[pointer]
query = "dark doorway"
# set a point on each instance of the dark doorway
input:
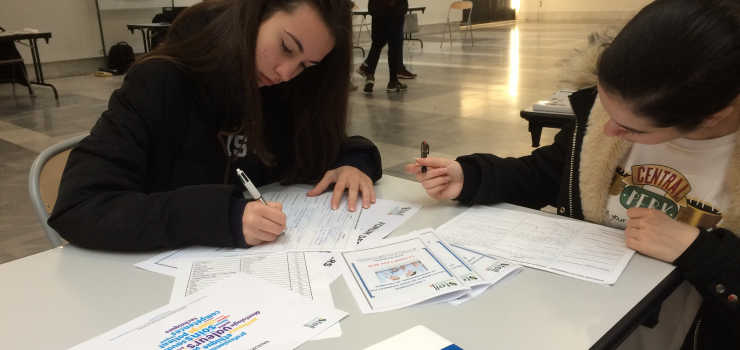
(486, 11)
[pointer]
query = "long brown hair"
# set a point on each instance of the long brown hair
(217, 38)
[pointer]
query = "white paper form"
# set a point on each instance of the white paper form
(576, 249)
(312, 225)
(413, 269)
(298, 272)
(242, 312)
(167, 263)
(383, 217)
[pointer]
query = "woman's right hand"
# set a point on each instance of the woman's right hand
(262, 223)
(443, 179)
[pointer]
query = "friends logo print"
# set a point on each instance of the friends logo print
(674, 203)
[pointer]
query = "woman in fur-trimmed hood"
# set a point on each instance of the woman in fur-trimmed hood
(653, 150)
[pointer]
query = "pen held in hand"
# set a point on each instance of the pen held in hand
(251, 189)
(424, 154)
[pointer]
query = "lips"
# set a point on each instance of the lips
(265, 81)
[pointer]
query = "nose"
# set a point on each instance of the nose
(612, 129)
(289, 70)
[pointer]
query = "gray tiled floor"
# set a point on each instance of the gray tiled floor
(466, 99)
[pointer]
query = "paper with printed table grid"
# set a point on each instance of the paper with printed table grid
(571, 248)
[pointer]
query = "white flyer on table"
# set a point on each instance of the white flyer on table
(332, 270)
(490, 268)
(571, 248)
(298, 272)
(413, 269)
(242, 312)
(384, 217)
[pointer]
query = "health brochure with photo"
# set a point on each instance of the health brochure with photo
(240, 312)
(418, 268)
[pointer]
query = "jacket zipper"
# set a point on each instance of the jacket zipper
(572, 165)
(696, 334)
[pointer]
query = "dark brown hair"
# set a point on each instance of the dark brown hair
(217, 38)
(676, 62)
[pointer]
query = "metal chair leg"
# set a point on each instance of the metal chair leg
(12, 82)
(471, 37)
(30, 89)
(450, 29)
(443, 36)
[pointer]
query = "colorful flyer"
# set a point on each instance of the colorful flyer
(241, 312)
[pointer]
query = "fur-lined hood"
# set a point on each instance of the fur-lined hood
(601, 155)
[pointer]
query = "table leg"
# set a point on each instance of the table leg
(409, 38)
(37, 67)
(535, 128)
(143, 37)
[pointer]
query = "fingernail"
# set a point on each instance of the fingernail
(333, 207)
(445, 171)
(352, 209)
(417, 159)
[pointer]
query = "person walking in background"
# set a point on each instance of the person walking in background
(387, 29)
(403, 73)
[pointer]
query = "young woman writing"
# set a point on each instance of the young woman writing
(257, 84)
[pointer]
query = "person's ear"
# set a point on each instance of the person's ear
(715, 118)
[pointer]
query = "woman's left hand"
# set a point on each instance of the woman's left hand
(347, 177)
(654, 233)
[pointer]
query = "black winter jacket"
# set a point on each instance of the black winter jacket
(551, 176)
(387, 8)
(151, 173)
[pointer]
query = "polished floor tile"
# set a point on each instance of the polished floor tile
(466, 99)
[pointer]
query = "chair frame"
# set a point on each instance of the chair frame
(35, 191)
(362, 24)
(12, 63)
(468, 27)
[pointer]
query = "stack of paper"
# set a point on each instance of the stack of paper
(241, 312)
(312, 226)
(557, 103)
(414, 269)
(298, 272)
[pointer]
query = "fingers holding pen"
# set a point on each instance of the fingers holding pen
(262, 223)
(431, 174)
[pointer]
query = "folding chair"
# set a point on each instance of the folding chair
(459, 5)
(44, 180)
(9, 55)
(362, 24)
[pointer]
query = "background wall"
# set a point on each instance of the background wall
(435, 13)
(76, 38)
(579, 9)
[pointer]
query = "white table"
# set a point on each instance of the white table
(64, 296)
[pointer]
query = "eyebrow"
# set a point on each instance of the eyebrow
(630, 129)
(298, 43)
